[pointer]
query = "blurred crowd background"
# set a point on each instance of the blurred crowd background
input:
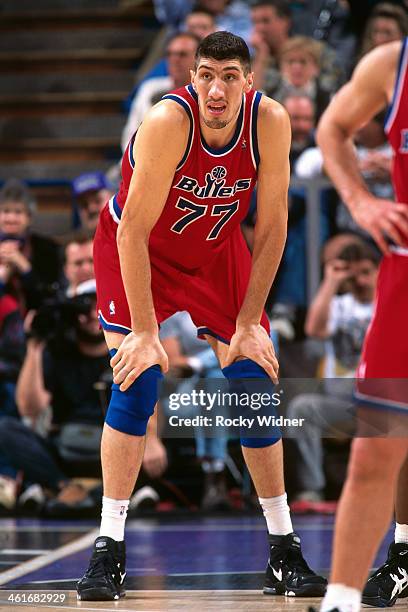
(77, 81)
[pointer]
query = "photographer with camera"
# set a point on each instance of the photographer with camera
(66, 368)
(66, 355)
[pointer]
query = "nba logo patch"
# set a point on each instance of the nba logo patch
(112, 307)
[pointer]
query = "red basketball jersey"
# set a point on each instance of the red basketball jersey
(396, 127)
(211, 189)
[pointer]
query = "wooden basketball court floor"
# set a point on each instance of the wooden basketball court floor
(178, 564)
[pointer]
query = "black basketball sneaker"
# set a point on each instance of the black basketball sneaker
(390, 581)
(105, 577)
(288, 573)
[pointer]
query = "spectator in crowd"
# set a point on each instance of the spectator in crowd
(78, 261)
(29, 263)
(339, 314)
(91, 192)
(387, 22)
(230, 15)
(272, 21)
(61, 371)
(302, 115)
(327, 21)
(12, 346)
(288, 295)
(200, 22)
(180, 53)
(299, 62)
(191, 359)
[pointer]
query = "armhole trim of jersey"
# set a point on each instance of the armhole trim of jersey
(253, 129)
(399, 84)
(189, 112)
(130, 151)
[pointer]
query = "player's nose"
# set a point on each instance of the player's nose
(216, 91)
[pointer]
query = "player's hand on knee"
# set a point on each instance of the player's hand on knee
(253, 342)
(137, 353)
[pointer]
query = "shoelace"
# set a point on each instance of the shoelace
(98, 565)
(294, 557)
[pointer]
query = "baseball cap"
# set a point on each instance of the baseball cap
(90, 181)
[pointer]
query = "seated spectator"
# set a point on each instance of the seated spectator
(190, 357)
(339, 314)
(272, 22)
(12, 346)
(60, 370)
(302, 115)
(78, 261)
(288, 295)
(180, 52)
(91, 192)
(29, 263)
(299, 63)
(230, 15)
(386, 22)
(200, 22)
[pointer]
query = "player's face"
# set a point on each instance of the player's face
(219, 86)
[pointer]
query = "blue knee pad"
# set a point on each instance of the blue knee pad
(129, 411)
(248, 369)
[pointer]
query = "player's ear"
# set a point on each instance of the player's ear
(249, 81)
(192, 77)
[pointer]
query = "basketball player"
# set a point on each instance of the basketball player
(378, 466)
(170, 240)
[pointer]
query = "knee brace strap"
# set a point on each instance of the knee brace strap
(249, 369)
(129, 411)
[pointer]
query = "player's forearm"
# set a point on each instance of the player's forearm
(267, 253)
(136, 275)
(341, 164)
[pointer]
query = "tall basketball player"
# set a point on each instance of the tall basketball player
(378, 468)
(170, 240)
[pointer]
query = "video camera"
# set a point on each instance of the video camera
(56, 320)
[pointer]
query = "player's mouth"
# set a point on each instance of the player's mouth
(216, 108)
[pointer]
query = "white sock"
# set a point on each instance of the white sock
(340, 596)
(114, 512)
(401, 533)
(277, 515)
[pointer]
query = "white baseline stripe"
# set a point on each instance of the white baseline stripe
(25, 551)
(50, 557)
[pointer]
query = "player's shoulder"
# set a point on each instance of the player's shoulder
(380, 61)
(167, 115)
(272, 112)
